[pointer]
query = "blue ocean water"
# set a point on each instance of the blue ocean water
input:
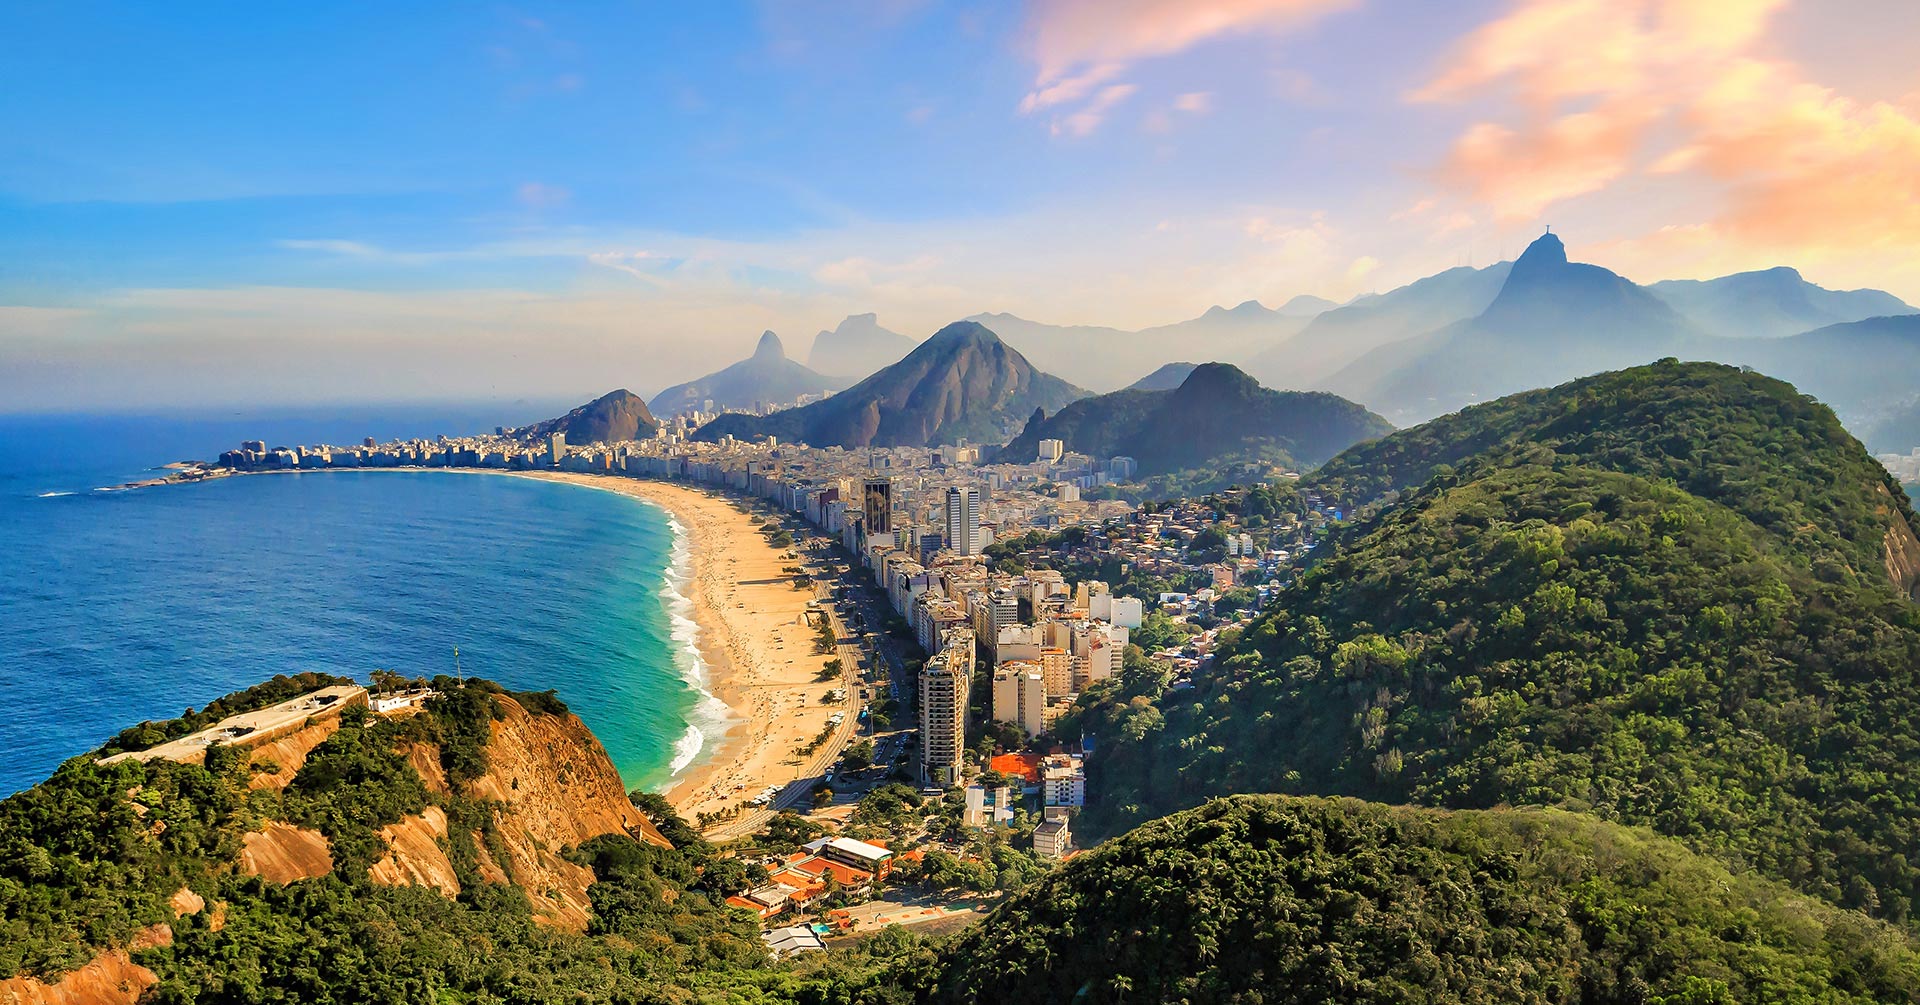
(122, 606)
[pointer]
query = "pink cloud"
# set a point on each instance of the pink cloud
(1081, 45)
(1600, 90)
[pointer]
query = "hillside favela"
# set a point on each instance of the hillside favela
(923, 501)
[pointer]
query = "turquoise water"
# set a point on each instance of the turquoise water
(122, 606)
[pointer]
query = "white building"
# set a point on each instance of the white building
(1020, 695)
(1052, 450)
(1053, 839)
(988, 807)
(1063, 781)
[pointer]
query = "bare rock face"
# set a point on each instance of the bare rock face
(111, 978)
(283, 853)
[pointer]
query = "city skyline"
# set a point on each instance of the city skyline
(299, 205)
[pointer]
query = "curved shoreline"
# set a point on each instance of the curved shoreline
(753, 638)
(752, 642)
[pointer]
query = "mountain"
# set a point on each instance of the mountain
(1305, 305)
(1677, 597)
(1342, 334)
(611, 418)
(1898, 432)
(1166, 378)
(1107, 358)
(1292, 901)
(1771, 303)
(1865, 369)
(963, 383)
(767, 377)
(1217, 414)
(856, 346)
(1553, 320)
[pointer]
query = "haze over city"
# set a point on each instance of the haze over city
(248, 205)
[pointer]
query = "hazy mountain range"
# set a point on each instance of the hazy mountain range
(963, 383)
(856, 347)
(1434, 345)
(766, 377)
(1108, 358)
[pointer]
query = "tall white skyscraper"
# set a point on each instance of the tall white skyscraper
(963, 520)
(945, 683)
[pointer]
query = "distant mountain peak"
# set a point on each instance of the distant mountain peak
(1244, 309)
(769, 347)
(1210, 379)
(964, 333)
(1546, 251)
(1305, 305)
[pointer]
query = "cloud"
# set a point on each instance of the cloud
(1080, 45)
(1087, 119)
(1067, 34)
(537, 195)
(1194, 102)
(1521, 172)
(1603, 91)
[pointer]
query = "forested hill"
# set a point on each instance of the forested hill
(1217, 413)
(1287, 900)
(1541, 627)
(1729, 436)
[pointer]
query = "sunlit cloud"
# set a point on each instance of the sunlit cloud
(1080, 45)
(1601, 91)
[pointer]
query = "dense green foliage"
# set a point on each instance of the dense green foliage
(1216, 416)
(1530, 629)
(1275, 900)
(1748, 442)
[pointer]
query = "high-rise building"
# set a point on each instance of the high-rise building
(877, 511)
(1052, 450)
(945, 682)
(1020, 695)
(557, 447)
(1122, 468)
(963, 520)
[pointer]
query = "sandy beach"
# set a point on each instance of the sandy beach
(754, 638)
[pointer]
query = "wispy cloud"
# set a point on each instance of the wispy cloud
(1083, 46)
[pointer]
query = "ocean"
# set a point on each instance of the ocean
(121, 606)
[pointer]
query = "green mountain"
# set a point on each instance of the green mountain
(963, 383)
(611, 418)
(1289, 900)
(1674, 597)
(1216, 414)
(767, 377)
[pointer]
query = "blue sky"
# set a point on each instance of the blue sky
(250, 203)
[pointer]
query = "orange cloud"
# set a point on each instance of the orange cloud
(1083, 44)
(1599, 85)
(1518, 174)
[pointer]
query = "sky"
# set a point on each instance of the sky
(248, 204)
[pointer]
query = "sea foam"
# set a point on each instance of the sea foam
(710, 716)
